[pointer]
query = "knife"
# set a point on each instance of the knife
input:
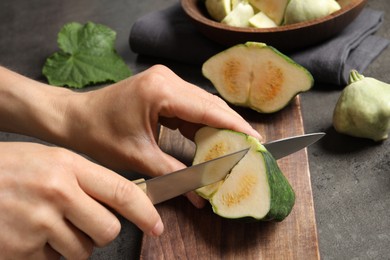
(171, 185)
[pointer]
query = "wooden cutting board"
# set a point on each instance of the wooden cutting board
(192, 233)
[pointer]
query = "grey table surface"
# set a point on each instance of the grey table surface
(350, 177)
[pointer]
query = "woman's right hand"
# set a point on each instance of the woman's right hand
(54, 202)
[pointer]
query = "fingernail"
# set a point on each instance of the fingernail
(158, 229)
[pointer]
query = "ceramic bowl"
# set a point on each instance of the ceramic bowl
(285, 38)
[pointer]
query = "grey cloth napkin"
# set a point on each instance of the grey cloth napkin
(170, 34)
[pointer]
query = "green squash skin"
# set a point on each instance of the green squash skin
(282, 194)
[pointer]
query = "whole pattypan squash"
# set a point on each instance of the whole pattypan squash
(306, 10)
(363, 109)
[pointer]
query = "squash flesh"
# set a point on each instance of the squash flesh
(271, 86)
(218, 9)
(240, 194)
(205, 152)
(268, 84)
(274, 9)
(232, 74)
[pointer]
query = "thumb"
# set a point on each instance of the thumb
(155, 162)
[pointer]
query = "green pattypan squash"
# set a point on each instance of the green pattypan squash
(255, 189)
(363, 109)
(306, 10)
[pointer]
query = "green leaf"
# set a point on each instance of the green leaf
(87, 56)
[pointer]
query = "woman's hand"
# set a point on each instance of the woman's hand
(54, 202)
(117, 125)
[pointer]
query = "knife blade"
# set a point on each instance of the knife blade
(286, 146)
(171, 185)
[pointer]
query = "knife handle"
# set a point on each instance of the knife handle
(141, 183)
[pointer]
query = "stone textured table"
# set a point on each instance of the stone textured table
(350, 177)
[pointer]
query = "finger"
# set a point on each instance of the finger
(170, 164)
(195, 199)
(47, 252)
(92, 218)
(149, 153)
(194, 91)
(206, 109)
(187, 129)
(122, 195)
(167, 164)
(70, 242)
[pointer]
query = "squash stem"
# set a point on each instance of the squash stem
(355, 76)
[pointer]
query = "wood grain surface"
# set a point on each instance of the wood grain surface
(192, 233)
